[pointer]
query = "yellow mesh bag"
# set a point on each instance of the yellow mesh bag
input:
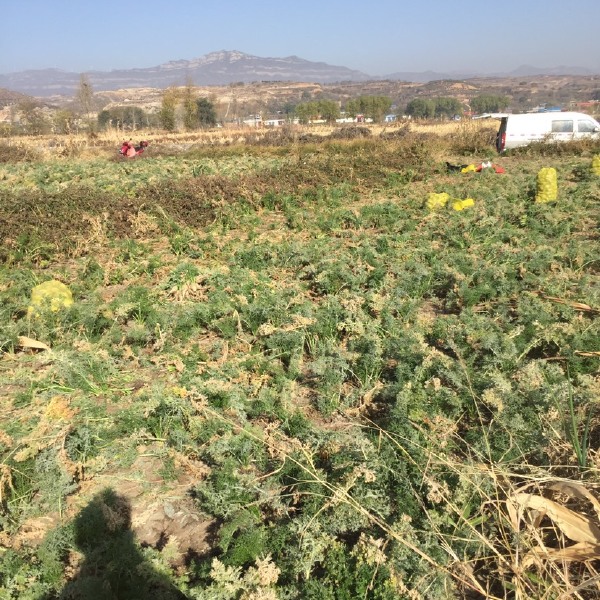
(547, 186)
(596, 164)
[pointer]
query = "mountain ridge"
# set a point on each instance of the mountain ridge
(217, 68)
(225, 67)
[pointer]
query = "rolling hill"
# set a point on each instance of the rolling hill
(227, 67)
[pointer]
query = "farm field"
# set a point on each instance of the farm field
(283, 376)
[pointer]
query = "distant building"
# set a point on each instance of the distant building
(357, 119)
(544, 108)
(274, 122)
(591, 106)
(253, 121)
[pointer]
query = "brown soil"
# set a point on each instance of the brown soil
(163, 514)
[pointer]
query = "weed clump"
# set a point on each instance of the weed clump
(11, 152)
(350, 133)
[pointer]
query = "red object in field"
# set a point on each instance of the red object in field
(131, 151)
(490, 165)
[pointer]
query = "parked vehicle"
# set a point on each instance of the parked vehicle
(521, 130)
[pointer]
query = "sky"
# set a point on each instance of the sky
(377, 37)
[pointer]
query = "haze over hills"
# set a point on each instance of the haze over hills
(522, 71)
(227, 67)
(216, 68)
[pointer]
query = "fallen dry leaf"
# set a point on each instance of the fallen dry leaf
(576, 490)
(572, 303)
(575, 526)
(581, 552)
(27, 342)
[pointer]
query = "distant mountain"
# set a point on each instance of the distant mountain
(522, 71)
(8, 97)
(216, 68)
(528, 70)
(427, 76)
(226, 67)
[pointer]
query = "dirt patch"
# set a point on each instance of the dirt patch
(163, 514)
(31, 533)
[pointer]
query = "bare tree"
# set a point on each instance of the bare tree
(167, 114)
(190, 108)
(85, 101)
(32, 118)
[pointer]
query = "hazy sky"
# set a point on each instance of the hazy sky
(377, 37)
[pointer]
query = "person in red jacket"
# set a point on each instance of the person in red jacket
(128, 149)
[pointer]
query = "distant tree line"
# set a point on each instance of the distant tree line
(377, 107)
(371, 107)
(487, 103)
(430, 108)
(124, 117)
(327, 110)
(29, 118)
(183, 106)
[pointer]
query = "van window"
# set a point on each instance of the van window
(563, 126)
(586, 126)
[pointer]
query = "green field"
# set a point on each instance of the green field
(282, 376)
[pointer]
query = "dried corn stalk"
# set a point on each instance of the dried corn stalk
(576, 526)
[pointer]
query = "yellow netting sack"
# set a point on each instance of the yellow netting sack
(469, 169)
(596, 164)
(547, 186)
(437, 201)
(52, 295)
(462, 204)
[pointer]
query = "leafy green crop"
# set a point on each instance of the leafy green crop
(340, 387)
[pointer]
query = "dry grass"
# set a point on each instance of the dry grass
(50, 147)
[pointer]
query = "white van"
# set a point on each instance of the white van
(520, 130)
